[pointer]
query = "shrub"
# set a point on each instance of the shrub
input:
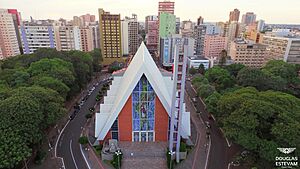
(182, 147)
(40, 157)
(98, 149)
(83, 140)
(116, 160)
(170, 162)
(89, 115)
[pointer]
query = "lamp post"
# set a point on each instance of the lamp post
(118, 153)
(171, 154)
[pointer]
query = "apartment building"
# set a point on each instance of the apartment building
(248, 54)
(8, 37)
(284, 48)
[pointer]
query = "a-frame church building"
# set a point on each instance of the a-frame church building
(138, 104)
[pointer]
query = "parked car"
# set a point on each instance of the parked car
(245, 153)
(194, 100)
(72, 116)
(207, 125)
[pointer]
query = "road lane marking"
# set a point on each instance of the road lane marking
(229, 145)
(72, 154)
(197, 149)
(229, 164)
(208, 152)
(55, 150)
(87, 163)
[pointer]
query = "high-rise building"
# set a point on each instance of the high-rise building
(147, 19)
(223, 28)
(124, 38)
(86, 39)
(167, 48)
(255, 36)
(130, 35)
(199, 35)
(167, 24)
(152, 34)
(177, 25)
(38, 34)
(166, 7)
(77, 21)
(67, 38)
(96, 35)
(187, 29)
(249, 18)
(87, 19)
(283, 48)
(260, 25)
(248, 54)
(200, 20)
(212, 29)
(8, 37)
(234, 15)
(232, 34)
(213, 45)
(110, 37)
(17, 22)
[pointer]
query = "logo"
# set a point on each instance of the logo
(286, 161)
(286, 150)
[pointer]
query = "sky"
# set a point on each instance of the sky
(272, 11)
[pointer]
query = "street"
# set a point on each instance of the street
(68, 147)
(221, 153)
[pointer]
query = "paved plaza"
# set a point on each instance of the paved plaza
(144, 155)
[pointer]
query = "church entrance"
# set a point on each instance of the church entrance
(143, 136)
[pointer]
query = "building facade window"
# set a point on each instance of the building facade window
(115, 130)
(143, 108)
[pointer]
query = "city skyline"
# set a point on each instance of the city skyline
(270, 11)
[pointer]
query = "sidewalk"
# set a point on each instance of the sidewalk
(94, 161)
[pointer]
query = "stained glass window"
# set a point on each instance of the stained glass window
(143, 108)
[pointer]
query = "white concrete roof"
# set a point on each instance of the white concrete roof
(142, 63)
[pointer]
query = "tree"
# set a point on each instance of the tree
(205, 90)
(192, 71)
(223, 58)
(20, 78)
(199, 79)
(23, 113)
(4, 90)
(7, 75)
(50, 102)
(83, 66)
(201, 69)
(212, 102)
(55, 68)
(260, 80)
(219, 77)
(285, 76)
(52, 83)
(261, 121)
(113, 68)
(234, 69)
(13, 149)
(282, 69)
(97, 59)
